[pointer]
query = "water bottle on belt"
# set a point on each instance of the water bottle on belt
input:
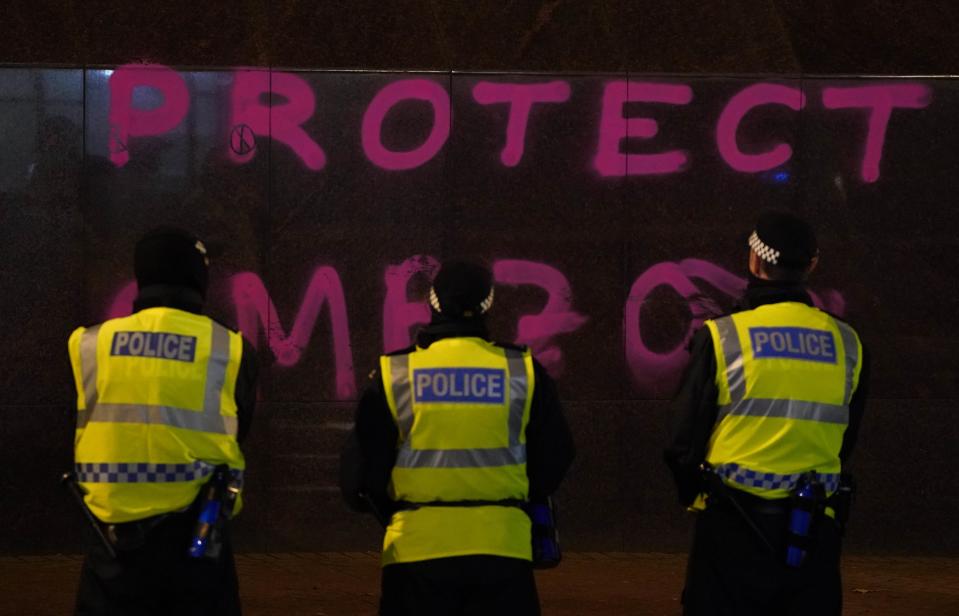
(807, 499)
(546, 551)
(219, 496)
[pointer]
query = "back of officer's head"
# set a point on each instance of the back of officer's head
(171, 257)
(785, 246)
(462, 289)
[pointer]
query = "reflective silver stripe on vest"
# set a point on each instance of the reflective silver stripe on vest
(88, 372)
(146, 472)
(518, 385)
(402, 393)
(216, 369)
(733, 352)
(771, 481)
(165, 415)
(209, 420)
(460, 458)
(851, 346)
(407, 457)
(790, 409)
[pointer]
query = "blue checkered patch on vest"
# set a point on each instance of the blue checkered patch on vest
(771, 481)
(143, 472)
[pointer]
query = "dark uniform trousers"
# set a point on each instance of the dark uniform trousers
(732, 573)
(460, 586)
(158, 578)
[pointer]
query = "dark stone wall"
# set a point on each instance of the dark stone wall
(69, 216)
(746, 36)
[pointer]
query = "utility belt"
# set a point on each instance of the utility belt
(127, 536)
(546, 552)
(801, 513)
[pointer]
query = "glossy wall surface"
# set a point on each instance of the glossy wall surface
(613, 208)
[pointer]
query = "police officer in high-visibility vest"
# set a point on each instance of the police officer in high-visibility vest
(762, 429)
(164, 397)
(453, 437)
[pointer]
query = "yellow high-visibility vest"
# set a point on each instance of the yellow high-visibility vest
(156, 411)
(461, 407)
(786, 373)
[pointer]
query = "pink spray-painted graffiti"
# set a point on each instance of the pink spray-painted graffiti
(880, 100)
(126, 121)
(386, 99)
(254, 308)
(741, 104)
(521, 98)
(657, 373)
(557, 317)
(614, 128)
(251, 115)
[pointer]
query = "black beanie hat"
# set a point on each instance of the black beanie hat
(171, 256)
(462, 289)
(783, 239)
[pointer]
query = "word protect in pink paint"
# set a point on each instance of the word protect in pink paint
(539, 331)
(741, 104)
(279, 122)
(384, 101)
(521, 98)
(613, 128)
(658, 374)
(880, 100)
(126, 121)
(254, 308)
(400, 314)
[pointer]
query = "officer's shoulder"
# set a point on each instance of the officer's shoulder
(222, 324)
(841, 320)
(404, 351)
(723, 315)
(522, 348)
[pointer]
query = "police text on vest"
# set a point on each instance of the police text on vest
(793, 343)
(160, 345)
(464, 385)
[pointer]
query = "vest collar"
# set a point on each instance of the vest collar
(168, 296)
(444, 327)
(761, 292)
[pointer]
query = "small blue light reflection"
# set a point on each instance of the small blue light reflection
(781, 176)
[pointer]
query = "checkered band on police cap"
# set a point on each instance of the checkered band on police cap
(781, 238)
(462, 289)
(766, 253)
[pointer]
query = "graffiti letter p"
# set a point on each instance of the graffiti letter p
(126, 122)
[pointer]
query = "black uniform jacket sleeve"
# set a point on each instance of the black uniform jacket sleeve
(370, 451)
(692, 415)
(369, 454)
(694, 410)
(245, 394)
(549, 442)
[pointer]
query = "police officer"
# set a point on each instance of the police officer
(772, 401)
(164, 396)
(453, 436)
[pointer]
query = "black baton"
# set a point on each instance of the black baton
(69, 480)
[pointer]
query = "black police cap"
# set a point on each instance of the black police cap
(462, 288)
(784, 239)
(171, 256)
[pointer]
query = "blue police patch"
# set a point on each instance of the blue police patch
(160, 345)
(793, 343)
(459, 385)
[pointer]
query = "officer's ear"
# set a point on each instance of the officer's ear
(812, 266)
(756, 265)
